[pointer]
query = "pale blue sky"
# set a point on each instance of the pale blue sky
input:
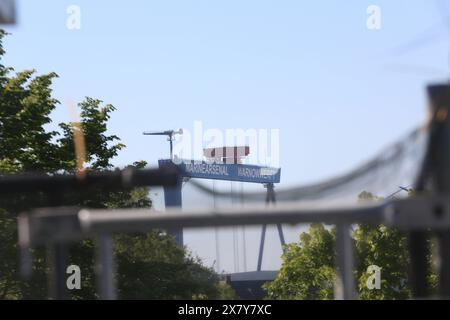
(311, 69)
(337, 91)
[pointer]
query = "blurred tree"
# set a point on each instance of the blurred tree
(386, 248)
(151, 265)
(308, 272)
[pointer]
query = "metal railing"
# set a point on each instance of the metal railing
(46, 226)
(56, 227)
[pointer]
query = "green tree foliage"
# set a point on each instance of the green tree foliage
(150, 265)
(167, 273)
(308, 272)
(386, 248)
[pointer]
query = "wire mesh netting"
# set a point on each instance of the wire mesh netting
(388, 174)
(395, 166)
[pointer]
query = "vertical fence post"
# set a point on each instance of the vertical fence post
(418, 251)
(57, 253)
(105, 268)
(345, 287)
(444, 270)
(439, 158)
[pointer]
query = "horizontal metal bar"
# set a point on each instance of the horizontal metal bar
(51, 224)
(419, 213)
(122, 220)
(45, 225)
(108, 180)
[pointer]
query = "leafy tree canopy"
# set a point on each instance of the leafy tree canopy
(150, 265)
(308, 270)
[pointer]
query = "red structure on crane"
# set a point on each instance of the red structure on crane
(231, 155)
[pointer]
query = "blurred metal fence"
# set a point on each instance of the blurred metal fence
(428, 210)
